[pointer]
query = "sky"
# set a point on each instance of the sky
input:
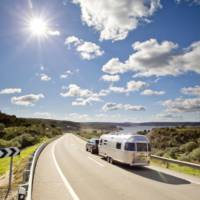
(100, 60)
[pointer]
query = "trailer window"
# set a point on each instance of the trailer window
(118, 145)
(105, 142)
(141, 146)
(149, 147)
(129, 146)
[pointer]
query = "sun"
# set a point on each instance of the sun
(38, 27)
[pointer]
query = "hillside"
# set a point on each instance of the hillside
(181, 143)
(25, 132)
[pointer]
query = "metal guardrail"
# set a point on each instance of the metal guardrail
(183, 163)
(25, 190)
(32, 170)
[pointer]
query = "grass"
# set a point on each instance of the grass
(5, 162)
(19, 163)
(178, 168)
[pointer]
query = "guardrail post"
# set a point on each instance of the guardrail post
(167, 165)
(26, 175)
(22, 192)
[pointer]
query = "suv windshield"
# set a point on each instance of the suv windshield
(93, 141)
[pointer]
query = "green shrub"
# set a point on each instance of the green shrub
(188, 147)
(2, 126)
(185, 157)
(173, 152)
(3, 143)
(159, 153)
(195, 154)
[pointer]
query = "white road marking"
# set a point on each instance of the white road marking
(98, 163)
(64, 179)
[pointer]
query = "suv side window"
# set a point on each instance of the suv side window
(100, 142)
(118, 145)
(96, 142)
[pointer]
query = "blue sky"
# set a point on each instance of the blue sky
(107, 60)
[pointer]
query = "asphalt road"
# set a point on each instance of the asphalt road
(65, 171)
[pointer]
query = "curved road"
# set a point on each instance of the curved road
(65, 171)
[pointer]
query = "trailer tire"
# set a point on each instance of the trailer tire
(111, 161)
(108, 159)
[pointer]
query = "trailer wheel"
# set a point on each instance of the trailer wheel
(108, 159)
(111, 161)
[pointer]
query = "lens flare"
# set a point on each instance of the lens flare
(38, 27)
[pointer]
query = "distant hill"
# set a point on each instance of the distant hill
(125, 124)
(12, 120)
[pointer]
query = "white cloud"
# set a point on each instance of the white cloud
(27, 100)
(45, 115)
(110, 78)
(189, 1)
(115, 106)
(45, 77)
(74, 90)
(10, 90)
(114, 66)
(87, 50)
(168, 116)
(114, 19)
(131, 86)
(83, 96)
(66, 74)
(72, 40)
(77, 117)
(135, 85)
(149, 92)
(194, 91)
(54, 32)
(152, 58)
(182, 105)
(86, 101)
(117, 89)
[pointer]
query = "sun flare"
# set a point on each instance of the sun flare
(38, 27)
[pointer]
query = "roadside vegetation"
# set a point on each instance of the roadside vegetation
(27, 135)
(182, 143)
(176, 167)
(23, 133)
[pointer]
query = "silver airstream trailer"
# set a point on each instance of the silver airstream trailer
(125, 148)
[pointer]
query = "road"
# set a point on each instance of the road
(65, 171)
